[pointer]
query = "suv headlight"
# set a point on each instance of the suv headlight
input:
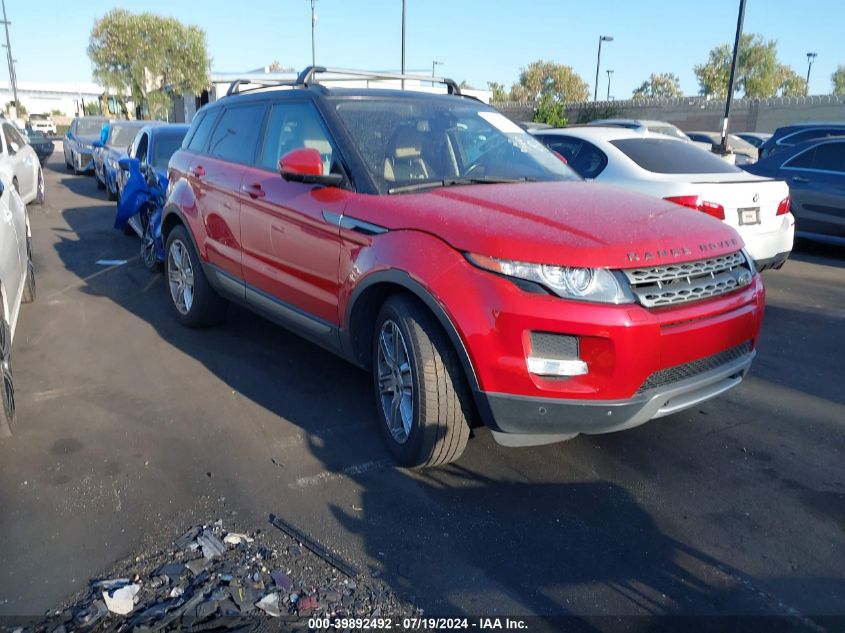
(585, 284)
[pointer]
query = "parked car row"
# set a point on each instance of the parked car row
(434, 243)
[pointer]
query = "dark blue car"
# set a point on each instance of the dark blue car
(815, 173)
(142, 182)
(114, 143)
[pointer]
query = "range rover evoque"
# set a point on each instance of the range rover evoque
(429, 240)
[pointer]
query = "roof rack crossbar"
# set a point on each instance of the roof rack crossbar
(235, 86)
(309, 75)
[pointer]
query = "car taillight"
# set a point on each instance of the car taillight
(697, 203)
(783, 207)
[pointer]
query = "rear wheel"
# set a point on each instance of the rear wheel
(7, 386)
(40, 189)
(29, 284)
(419, 386)
(194, 301)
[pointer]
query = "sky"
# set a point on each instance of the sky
(477, 40)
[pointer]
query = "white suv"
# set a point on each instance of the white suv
(17, 285)
(42, 123)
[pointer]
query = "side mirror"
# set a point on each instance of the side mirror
(306, 165)
(129, 164)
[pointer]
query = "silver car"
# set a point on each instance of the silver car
(17, 286)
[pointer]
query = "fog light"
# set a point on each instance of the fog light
(555, 367)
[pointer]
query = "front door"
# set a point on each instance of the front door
(291, 241)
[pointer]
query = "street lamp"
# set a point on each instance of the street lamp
(811, 57)
(435, 63)
(403, 43)
(313, 25)
(609, 75)
(602, 38)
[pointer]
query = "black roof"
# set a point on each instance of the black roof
(318, 90)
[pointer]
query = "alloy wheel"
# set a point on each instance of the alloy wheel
(6, 383)
(395, 382)
(180, 276)
(148, 246)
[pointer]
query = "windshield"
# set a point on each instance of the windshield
(121, 135)
(671, 157)
(407, 143)
(165, 146)
(89, 127)
(38, 117)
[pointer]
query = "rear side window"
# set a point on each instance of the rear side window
(201, 131)
(236, 134)
(672, 157)
(584, 157)
(809, 135)
(827, 157)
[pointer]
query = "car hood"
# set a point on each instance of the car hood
(561, 223)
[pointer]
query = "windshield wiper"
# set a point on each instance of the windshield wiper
(452, 182)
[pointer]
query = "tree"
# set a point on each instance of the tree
(838, 79)
(550, 111)
(546, 79)
(148, 56)
(465, 84)
(660, 85)
(792, 84)
(758, 73)
(92, 108)
(498, 90)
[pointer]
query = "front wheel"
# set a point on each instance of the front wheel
(148, 242)
(29, 292)
(194, 301)
(423, 403)
(7, 386)
(40, 189)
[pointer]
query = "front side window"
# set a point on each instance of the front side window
(293, 126)
(438, 141)
(667, 156)
(825, 157)
(236, 134)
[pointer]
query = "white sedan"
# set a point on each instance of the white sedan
(20, 166)
(757, 207)
(17, 285)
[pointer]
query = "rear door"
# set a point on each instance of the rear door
(11, 263)
(215, 177)
(291, 240)
(816, 180)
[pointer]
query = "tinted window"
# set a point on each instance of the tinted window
(809, 135)
(201, 132)
(236, 135)
(293, 126)
(672, 157)
(829, 156)
(584, 157)
(164, 147)
(804, 160)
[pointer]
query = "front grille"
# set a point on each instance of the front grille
(692, 281)
(554, 346)
(688, 370)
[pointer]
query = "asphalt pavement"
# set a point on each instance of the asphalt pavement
(131, 428)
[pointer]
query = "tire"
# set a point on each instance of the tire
(111, 195)
(29, 289)
(201, 307)
(69, 163)
(433, 428)
(7, 385)
(41, 190)
(148, 247)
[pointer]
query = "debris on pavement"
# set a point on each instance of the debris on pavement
(212, 579)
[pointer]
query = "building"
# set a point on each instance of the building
(45, 98)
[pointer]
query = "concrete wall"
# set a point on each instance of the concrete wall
(698, 113)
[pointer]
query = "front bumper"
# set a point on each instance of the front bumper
(526, 421)
(84, 162)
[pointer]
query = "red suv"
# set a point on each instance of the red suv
(431, 241)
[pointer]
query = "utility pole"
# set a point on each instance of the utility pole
(609, 75)
(602, 38)
(13, 80)
(403, 43)
(313, 26)
(723, 146)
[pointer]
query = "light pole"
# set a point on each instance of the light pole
(723, 146)
(403, 43)
(313, 26)
(602, 38)
(609, 75)
(811, 57)
(433, 64)
(13, 79)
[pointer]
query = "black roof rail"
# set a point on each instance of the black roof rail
(235, 86)
(310, 73)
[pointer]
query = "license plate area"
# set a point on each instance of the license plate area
(749, 215)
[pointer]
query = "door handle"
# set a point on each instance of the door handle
(197, 172)
(254, 190)
(799, 179)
